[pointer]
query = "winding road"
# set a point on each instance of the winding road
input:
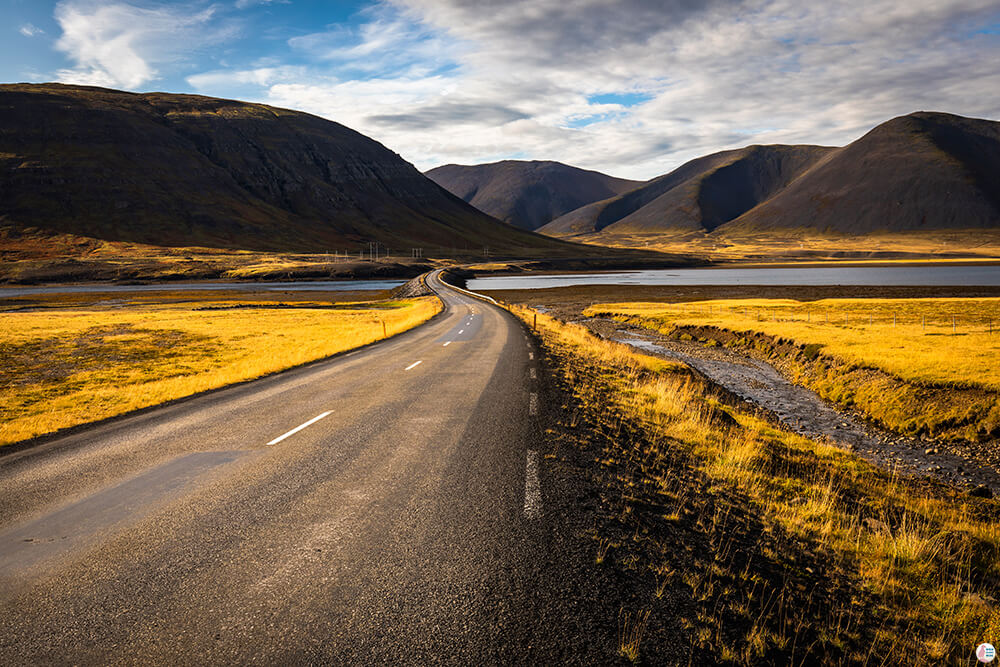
(383, 506)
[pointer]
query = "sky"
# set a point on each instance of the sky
(632, 88)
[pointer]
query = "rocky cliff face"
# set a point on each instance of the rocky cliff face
(184, 170)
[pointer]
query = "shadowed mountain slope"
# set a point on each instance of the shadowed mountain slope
(701, 194)
(527, 194)
(916, 173)
(921, 172)
(185, 170)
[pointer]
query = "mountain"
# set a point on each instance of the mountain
(920, 172)
(185, 170)
(527, 194)
(701, 194)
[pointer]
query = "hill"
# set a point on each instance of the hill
(916, 173)
(702, 194)
(527, 194)
(924, 172)
(185, 170)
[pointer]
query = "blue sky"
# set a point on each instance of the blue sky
(631, 87)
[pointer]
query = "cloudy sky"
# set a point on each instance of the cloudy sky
(633, 87)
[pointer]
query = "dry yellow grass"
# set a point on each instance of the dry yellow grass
(945, 341)
(926, 555)
(74, 366)
(807, 244)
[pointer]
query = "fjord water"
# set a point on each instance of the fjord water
(918, 275)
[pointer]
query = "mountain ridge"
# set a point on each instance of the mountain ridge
(527, 193)
(187, 170)
(918, 172)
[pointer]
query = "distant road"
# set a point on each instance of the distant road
(379, 507)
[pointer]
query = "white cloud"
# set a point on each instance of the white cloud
(119, 44)
(465, 81)
(246, 4)
(29, 30)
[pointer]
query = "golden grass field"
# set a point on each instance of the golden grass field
(805, 243)
(951, 341)
(919, 367)
(68, 366)
(867, 565)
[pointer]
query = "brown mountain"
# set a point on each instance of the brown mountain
(527, 194)
(921, 172)
(185, 170)
(701, 194)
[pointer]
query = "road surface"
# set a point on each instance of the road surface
(385, 506)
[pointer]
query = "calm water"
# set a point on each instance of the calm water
(978, 276)
(317, 286)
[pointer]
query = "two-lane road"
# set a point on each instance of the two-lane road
(382, 506)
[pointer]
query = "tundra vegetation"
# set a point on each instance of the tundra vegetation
(79, 363)
(771, 547)
(917, 366)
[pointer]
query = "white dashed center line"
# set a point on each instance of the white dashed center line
(533, 376)
(446, 344)
(461, 331)
(533, 404)
(298, 428)
(531, 355)
(532, 487)
(414, 365)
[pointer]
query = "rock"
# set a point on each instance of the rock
(981, 491)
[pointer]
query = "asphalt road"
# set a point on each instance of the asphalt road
(385, 506)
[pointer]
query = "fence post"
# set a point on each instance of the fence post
(534, 324)
(384, 334)
(953, 324)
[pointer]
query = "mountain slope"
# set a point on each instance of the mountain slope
(701, 194)
(925, 171)
(184, 170)
(527, 194)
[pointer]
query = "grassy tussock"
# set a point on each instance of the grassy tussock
(869, 565)
(74, 366)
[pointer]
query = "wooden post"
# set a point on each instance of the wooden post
(953, 324)
(534, 324)
(923, 322)
(384, 334)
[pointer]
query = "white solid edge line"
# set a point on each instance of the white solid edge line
(414, 365)
(532, 487)
(446, 344)
(299, 428)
